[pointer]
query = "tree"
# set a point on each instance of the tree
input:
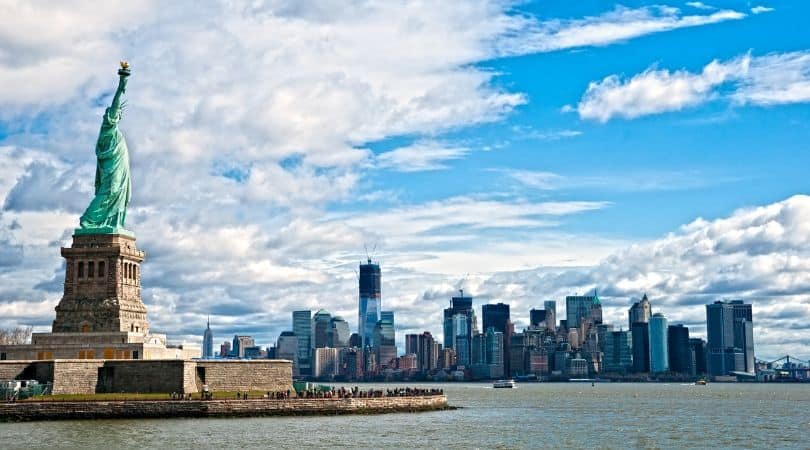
(15, 336)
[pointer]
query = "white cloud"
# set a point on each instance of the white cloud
(420, 156)
(245, 121)
(761, 9)
(761, 80)
(632, 181)
(775, 79)
(618, 25)
(654, 91)
(758, 254)
(531, 133)
(700, 5)
(535, 179)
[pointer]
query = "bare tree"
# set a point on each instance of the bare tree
(14, 336)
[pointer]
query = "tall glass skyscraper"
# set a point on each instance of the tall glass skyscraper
(459, 305)
(680, 354)
(582, 307)
(496, 316)
(659, 355)
(370, 302)
(302, 328)
(730, 332)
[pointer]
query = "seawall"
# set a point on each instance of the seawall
(133, 409)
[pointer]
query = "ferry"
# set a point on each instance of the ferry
(504, 384)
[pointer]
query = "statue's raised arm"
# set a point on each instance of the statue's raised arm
(123, 75)
(107, 212)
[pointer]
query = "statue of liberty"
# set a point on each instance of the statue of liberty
(107, 212)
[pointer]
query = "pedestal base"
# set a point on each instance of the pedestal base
(103, 230)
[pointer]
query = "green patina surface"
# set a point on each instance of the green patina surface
(107, 211)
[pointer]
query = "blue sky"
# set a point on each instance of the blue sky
(658, 171)
(523, 151)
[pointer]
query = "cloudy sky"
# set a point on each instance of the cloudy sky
(523, 151)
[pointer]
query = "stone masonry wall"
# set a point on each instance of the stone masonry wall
(88, 376)
(76, 376)
(41, 371)
(246, 375)
(216, 408)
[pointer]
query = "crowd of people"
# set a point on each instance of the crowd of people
(356, 392)
(332, 392)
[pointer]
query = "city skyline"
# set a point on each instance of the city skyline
(580, 346)
(520, 151)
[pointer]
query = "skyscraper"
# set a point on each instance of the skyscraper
(302, 328)
(287, 348)
(387, 315)
(208, 342)
(537, 318)
(496, 316)
(698, 350)
(459, 305)
(744, 332)
(321, 327)
(680, 354)
(370, 302)
(325, 363)
(551, 315)
(384, 342)
(339, 333)
(640, 332)
(225, 349)
(730, 345)
(425, 348)
(659, 356)
(240, 343)
(618, 352)
(640, 312)
(582, 307)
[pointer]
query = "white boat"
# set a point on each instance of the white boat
(504, 384)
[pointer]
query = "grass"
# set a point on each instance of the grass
(219, 395)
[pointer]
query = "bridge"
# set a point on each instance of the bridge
(787, 368)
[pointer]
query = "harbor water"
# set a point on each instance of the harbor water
(533, 415)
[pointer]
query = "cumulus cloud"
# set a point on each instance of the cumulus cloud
(761, 80)
(246, 121)
(758, 254)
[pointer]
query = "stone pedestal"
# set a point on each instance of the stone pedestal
(102, 286)
(101, 314)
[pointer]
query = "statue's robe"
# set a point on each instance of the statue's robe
(113, 188)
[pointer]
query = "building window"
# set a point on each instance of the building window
(134, 354)
(81, 269)
(3, 356)
(91, 267)
(101, 268)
